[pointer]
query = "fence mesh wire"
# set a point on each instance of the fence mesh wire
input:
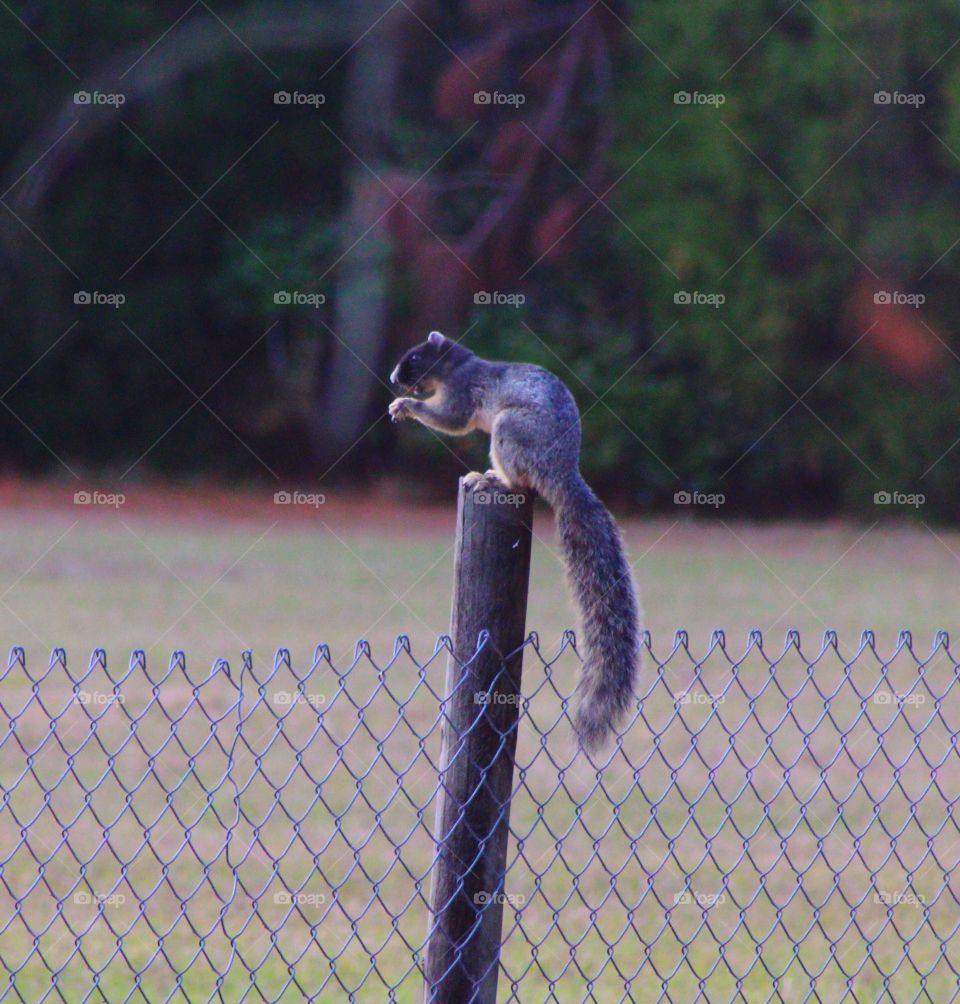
(771, 826)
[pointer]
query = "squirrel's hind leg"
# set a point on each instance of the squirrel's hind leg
(503, 469)
(497, 470)
(491, 479)
(525, 454)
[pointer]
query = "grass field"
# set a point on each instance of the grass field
(214, 574)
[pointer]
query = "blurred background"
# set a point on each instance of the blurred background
(386, 165)
(732, 230)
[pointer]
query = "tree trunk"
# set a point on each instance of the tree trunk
(362, 291)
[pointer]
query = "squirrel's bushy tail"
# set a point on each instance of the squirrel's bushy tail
(602, 584)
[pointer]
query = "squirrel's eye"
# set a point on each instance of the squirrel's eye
(415, 358)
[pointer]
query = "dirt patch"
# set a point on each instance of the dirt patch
(379, 509)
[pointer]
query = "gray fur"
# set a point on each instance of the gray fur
(534, 431)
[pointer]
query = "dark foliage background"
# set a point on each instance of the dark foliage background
(785, 185)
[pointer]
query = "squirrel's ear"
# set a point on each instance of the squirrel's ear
(436, 339)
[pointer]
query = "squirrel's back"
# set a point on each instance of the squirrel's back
(552, 432)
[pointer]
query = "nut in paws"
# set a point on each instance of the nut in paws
(400, 409)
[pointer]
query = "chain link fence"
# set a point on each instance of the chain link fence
(773, 825)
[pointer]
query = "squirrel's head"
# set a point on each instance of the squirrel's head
(427, 364)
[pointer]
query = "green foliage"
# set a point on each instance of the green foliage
(714, 197)
(788, 199)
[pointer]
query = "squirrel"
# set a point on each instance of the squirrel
(534, 429)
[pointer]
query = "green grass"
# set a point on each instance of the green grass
(214, 588)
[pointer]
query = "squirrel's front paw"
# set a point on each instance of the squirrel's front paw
(400, 409)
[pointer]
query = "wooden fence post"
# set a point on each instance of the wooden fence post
(491, 574)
